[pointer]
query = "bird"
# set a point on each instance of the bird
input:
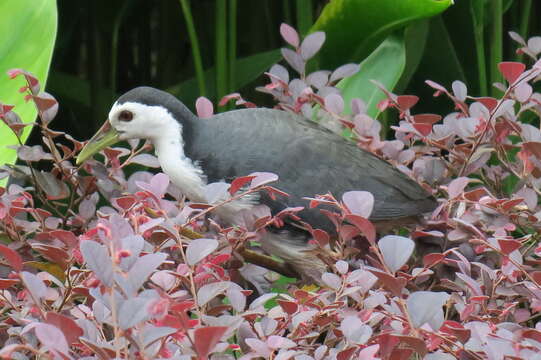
(308, 159)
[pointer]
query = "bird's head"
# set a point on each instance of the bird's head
(141, 113)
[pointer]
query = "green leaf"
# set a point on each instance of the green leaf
(355, 27)
(386, 65)
(28, 29)
(247, 69)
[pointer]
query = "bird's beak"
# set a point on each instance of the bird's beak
(106, 136)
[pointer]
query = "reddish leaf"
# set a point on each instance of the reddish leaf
(426, 118)
(346, 354)
(406, 102)
(67, 237)
(456, 329)
(423, 129)
(289, 307)
(7, 283)
(508, 246)
(534, 148)
(239, 183)
(387, 342)
(511, 70)
(536, 275)
(206, 338)
(67, 325)
(489, 102)
(12, 257)
(432, 259)
(366, 227)
(391, 283)
(415, 343)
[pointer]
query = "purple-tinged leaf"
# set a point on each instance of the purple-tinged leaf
(457, 186)
(53, 187)
(34, 285)
(505, 107)
(360, 203)
(318, 79)
(280, 72)
(342, 267)
(198, 249)
(426, 307)
(344, 71)
(261, 348)
(204, 107)
(236, 297)
(280, 342)
(334, 103)
(143, 268)
(534, 44)
(289, 34)
(216, 192)
(358, 106)
(396, 251)
(98, 260)
(369, 353)
(134, 245)
(473, 285)
(354, 330)
(333, 281)
(311, 44)
(439, 355)
(133, 311)
(47, 106)
(294, 60)
(460, 90)
(164, 279)
(52, 338)
(515, 36)
(147, 160)
(523, 92)
(33, 153)
(262, 178)
(66, 324)
(210, 291)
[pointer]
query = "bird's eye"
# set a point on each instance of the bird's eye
(125, 115)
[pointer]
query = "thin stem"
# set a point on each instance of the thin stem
(496, 42)
(232, 53)
(221, 48)
(196, 53)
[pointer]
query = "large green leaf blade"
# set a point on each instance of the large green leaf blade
(28, 29)
(355, 27)
(386, 65)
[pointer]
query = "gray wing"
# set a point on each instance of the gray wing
(308, 159)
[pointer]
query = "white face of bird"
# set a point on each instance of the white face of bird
(130, 120)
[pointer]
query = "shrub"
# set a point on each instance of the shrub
(107, 261)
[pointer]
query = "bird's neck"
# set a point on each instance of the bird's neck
(182, 171)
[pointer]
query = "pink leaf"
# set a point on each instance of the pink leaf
(206, 338)
(511, 70)
(344, 71)
(67, 325)
(204, 107)
(289, 34)
(198, 249)
(262, 178)
(311, 44)
(51, 337)
(294, 59)
(369, 352)
(359, 202)
(334, 103)
(406, 102)
(457, 186)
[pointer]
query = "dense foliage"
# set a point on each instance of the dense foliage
(108, 261)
